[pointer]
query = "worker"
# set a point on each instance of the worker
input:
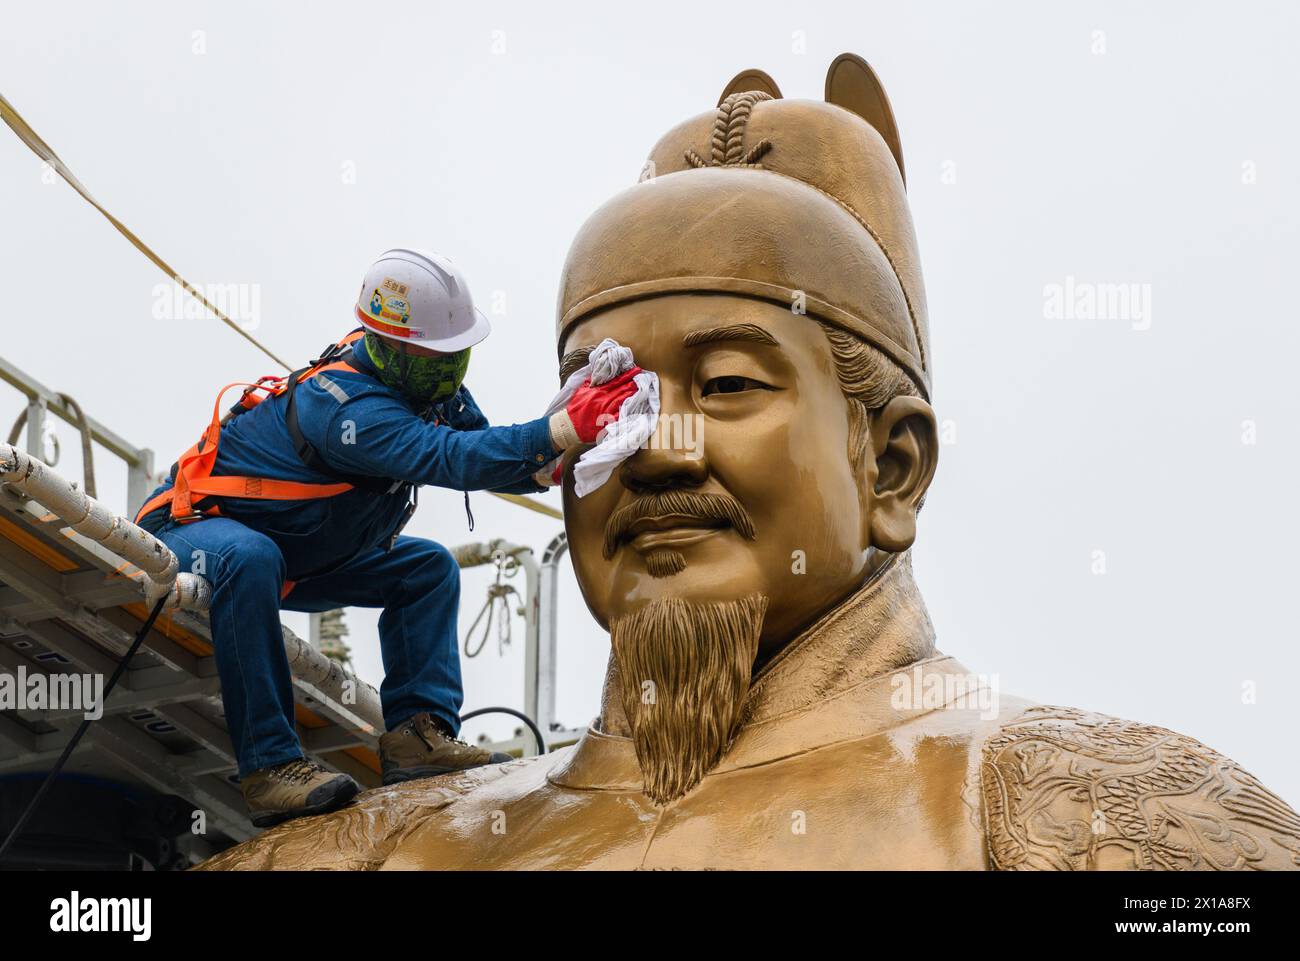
(296, 498)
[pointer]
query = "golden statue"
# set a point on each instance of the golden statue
(774, 698)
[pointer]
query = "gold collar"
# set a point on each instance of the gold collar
(833, 682)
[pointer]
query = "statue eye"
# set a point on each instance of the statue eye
(732, 384)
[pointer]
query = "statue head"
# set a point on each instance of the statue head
(766, 269)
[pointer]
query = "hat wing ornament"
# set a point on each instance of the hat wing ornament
(853, 85)
(752, 79)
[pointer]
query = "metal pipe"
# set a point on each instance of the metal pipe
(548, 605)
(189, 592)
(91, 518)
(349, 692)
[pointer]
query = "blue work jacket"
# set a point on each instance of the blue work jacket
(359, 426)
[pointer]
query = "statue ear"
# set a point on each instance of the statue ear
(752, 79)
(853, 85)
(905, 445)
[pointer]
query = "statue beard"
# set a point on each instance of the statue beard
(685, 669)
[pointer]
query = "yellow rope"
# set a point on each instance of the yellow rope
(531, 504)
(43, 150)
(39, 147)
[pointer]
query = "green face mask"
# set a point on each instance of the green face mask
(421, 380)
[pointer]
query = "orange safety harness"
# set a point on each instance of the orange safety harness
(194, 481)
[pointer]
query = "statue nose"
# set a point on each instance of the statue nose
(661, 464)
(674, 454)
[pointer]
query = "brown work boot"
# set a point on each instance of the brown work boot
(424, 747)
(294, 789)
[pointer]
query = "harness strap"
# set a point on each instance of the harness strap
(194, 480)
(308, 454)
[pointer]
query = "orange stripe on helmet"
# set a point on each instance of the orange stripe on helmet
(382, 326)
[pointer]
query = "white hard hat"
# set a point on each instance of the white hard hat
(418, 297)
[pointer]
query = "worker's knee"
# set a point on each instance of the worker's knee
(257, 553)
(431, 568)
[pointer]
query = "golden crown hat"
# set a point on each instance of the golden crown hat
(799, 202)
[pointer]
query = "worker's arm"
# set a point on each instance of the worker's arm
(376, 435)
(464, 413)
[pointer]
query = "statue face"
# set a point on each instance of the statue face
(752, 416)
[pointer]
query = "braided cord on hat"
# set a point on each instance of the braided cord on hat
(726, 148)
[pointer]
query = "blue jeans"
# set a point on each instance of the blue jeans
(417, 583)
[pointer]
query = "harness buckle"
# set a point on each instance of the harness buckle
(328, 354)
(191, 517)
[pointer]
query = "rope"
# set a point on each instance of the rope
(39, 147)
(532, 505)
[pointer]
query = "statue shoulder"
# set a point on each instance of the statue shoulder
(358, 837)
(1064, 789)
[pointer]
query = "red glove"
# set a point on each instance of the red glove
(591, 409)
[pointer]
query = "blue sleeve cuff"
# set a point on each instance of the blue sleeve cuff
(540, 448)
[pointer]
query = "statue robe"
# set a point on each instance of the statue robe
(852, 754)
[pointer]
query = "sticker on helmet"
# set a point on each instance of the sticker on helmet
(393, 309)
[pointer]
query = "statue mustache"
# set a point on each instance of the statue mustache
(711, 509)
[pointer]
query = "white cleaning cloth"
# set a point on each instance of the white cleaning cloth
(637, 416)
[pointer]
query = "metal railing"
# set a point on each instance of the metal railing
(42, 401)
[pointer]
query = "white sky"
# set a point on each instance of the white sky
(1071, 436)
